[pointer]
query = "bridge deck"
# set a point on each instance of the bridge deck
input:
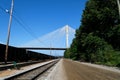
(40, 48)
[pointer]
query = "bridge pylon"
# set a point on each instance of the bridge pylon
(67, 35)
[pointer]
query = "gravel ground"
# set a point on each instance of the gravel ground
(67, 69)
(58, 73)
(80, 71)
(44, 75)
(73, 70)
(114, 69)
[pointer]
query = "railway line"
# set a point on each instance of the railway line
(34, 73)
(11, 65)
(65, 69)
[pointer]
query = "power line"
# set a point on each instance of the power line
(2, 8)
(22, 23)
(27, 29)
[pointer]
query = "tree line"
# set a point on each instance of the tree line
(97, 40)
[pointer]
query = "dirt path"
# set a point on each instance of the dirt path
(78, 71)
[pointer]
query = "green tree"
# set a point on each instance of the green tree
(98, 35)
(73, 49)
(67, 53)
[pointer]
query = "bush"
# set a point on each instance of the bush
(96, 49)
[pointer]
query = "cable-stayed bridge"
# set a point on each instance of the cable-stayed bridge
(59, 39)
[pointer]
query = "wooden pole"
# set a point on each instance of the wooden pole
(9, 27)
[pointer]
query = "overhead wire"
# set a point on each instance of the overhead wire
(2, 8)
(28, 29)
(23, 25)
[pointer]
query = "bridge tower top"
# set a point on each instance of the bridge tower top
(67, 35)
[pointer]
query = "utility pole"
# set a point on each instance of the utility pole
(9, 27)
(66, 29)
(118, 2)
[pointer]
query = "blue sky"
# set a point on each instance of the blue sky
(39, 17)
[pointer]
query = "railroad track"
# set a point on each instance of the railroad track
(10, 65)
(33, 74)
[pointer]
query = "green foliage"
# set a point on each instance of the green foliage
(67, 54)
(92, 44)
(98, 36)
(114, 37)
(73, 50)
(95, 48)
